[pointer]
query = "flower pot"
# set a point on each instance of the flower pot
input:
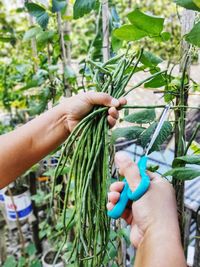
(22, 203)
(48, 259)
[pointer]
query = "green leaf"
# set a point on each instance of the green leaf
(183, 173)
(152, 25)
(197, 3)
(149, 59)
(10, 262)
(39, 13)
(82, 7)
(162, 137)
(129, 33)
(125, 233)
(189, 4)
(116, 43)
(127, 132)
(195, 147)
(193, 159)
(171, 89)
(35, 263)
(30, 249)
(193, 37)
(144, 116)
(165, 36)
(153, 168)
(21, 262)
(31, 33)
(157, 82)
(45, 36)
(58, 5)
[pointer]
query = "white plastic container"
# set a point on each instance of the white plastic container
(45, 264)
(2, 196)
(23, 205)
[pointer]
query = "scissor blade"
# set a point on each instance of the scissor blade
(158, 128)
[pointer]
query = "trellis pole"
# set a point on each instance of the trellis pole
(187, 22)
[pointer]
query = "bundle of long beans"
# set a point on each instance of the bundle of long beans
(89, 166)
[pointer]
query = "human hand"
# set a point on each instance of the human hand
(78, 106)
(155, 212)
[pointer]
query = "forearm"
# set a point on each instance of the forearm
(161, 247)
(28, 144)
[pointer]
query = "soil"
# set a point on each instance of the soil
(17, 190)
(50, 256)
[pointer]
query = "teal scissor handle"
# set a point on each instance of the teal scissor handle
(127, 194)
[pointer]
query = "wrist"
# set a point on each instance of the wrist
(62, 115)
(161, 247)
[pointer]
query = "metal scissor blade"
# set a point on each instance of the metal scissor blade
(157, 130)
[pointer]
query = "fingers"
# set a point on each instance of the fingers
(113, 197)
(111, 121)
(122, 101)
(128, 168)
(104, 99)
(113, 112)
(113, 116)
(117, 186)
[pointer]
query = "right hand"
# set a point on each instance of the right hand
(155, 211)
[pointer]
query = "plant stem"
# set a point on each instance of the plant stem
(67, 89)
(156, 106)
(144, 81)
(180, 141)
(21, 237)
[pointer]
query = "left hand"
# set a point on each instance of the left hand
(78, 106)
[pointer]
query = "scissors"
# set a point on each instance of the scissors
(142, 188)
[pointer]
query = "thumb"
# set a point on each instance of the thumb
(102, 99)
(128, 169)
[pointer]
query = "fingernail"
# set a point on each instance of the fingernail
(121, 157)
(115, 102)
(109, 194)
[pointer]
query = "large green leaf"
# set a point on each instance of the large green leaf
(189, 159)
(183, 173)
(82, 7)
(144, 116)
(162, 137)
(156, 82)
(189, 4)
(127, 132)
(152, 25)
(39, 13)
(58, 5)
(129, 33)
(149, 59)
(193, 37)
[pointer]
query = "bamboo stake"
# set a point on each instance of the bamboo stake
(67, 30)
(105, 26)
